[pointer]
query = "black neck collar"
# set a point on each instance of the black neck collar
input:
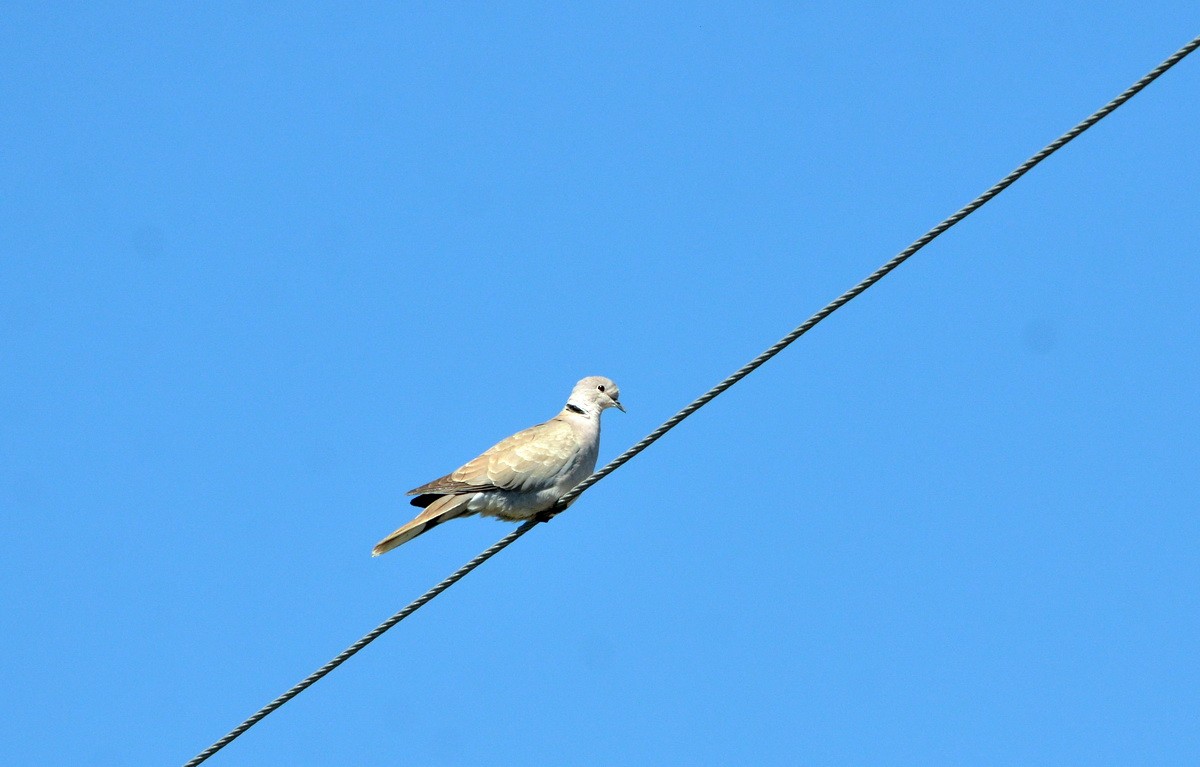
(575, 408)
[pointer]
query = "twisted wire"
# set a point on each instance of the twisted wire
(375, 633)
(880, 273)
(703, 399)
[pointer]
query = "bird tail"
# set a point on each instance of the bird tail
(444, 508)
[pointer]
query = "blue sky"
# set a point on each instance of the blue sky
(265, 269)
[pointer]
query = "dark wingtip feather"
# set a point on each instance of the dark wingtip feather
(423, 501)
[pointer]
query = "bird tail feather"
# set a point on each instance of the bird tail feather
(444, 508)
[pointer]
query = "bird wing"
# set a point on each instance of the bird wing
(527, 461)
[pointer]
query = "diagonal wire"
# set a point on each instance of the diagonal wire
(704, 399)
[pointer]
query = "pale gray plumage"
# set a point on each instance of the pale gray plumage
(523, 475)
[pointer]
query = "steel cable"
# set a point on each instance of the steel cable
(704, 399)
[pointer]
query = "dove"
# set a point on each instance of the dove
(521, 476)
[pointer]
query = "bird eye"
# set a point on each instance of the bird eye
(600, 387)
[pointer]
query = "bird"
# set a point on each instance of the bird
(521, 476)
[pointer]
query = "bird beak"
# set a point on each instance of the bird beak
(618, 406)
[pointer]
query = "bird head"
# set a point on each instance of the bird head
(596, 394)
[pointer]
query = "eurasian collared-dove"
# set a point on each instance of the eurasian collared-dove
(523, 475)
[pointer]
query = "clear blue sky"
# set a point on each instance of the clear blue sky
(264, 270)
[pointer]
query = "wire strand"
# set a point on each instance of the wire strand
(703, 399)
